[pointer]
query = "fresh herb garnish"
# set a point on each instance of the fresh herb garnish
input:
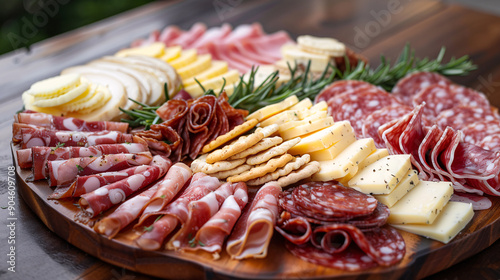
(150, 228)
(80, 169)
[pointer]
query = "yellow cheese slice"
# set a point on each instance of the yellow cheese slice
(63, 98)
(273, 109)
(454, 217)
(382, 176)
(409, 181)
(346, 161)
(291, 124)
(171, 53)
(187, 57)
(231, 77)
(321, 106)
(156, 49)
(322, 139)
(294, 55)
(302, 105)
(373, 157)
(281, 118)
(334, 150)
(55, 86)
(422, 204)
(218, 68)
(344, 180)
(202, 63)
(306, 128)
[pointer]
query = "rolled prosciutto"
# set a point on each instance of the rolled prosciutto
(105, 197)
(63, 172)
(253, 231)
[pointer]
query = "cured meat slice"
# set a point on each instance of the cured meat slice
(376, 219)
(253, 231)
(185, 39)
(89, 183)
(340, 87)
(355, 106)
(382, 116)
(39, 156)
(491, 142)
(176, 213)
(491, 186)
(424, 152)
(32, 137)
(105, 197)
(62, 172)
(246, 50)
(391, 131)
(295, 229)
(460, 116)
(380, 246)
(476, 132)
(413, 83)
(478, 202)
(269, 45)
(331, 199)
(244, 31)
(169, 33)
(200, 212)
(73, 124)
(220, 52)
(213, 34)
(122, 216)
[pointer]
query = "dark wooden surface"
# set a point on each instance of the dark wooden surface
(427, 25)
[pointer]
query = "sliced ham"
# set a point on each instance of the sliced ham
(214, 34)
(169, 33)
(187, 38)
(64, 123)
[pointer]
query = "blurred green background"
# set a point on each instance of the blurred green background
(25, 22)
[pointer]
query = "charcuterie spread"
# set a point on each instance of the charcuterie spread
(213, 139)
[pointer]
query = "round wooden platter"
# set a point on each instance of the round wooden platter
(423, 256)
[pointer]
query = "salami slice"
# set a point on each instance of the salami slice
(476, 132)
(424, 151)
(413, 83)
(340, 87)
(491, 142)
(382, 116)
(478, 202)
(460, 116)
(296, 230)
(391, 131)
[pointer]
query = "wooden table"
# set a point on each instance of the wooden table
(369, 27)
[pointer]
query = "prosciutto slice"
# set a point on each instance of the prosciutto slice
(201, 211)
(105, 197)
(176, 213)
(63, 172)
(411, 138)
(32, 137)
(253, 232)
(64, 123)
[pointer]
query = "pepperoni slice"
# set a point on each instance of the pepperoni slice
(413, 83)
(463, 115)
(341, 87)
(380, 117)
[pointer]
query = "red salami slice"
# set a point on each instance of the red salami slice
(381, 246)
(491, 186)
(491, 142)
(376, 219)
(476, 132)
(413, 83)
(460, 116)
(296, 230)
(340, 87)
(333, 200)
(355, 106)
(478, 202)
(391, 131)
(424, 151)
(382, 116)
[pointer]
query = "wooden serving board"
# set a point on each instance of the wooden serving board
(423, 256)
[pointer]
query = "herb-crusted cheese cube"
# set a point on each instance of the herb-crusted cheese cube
(382, 176)
(273, 109)
(422, 204)
(334, 150)
(346, 161)
(409, 181)
(322, 139)
(454, 217)
(308, 127)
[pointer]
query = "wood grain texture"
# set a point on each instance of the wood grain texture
(419, 261)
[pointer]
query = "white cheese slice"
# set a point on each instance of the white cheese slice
(334, 150)
(422, 204)
(346, 161)
(322, 139)
(273, 109)
(281, 118)
(294, 55)
(454, 217)
(409, 181)
(302, 121)
(382, 176)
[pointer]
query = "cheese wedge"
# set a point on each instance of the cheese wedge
(156, 49)
(334, 150)
(202, 63)
(171, 53)
(322, 139)
(216, 69)
(310, 126)
(409, 181)
(422, 204)
(382, 176)
(346, 161)
(214, 83)
(454, 217)
(273, 109)
(291, 124)
(187, 57)
(281, 118)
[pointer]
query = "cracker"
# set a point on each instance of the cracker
(305, 172)
(241, 144)
(262, 145)
(221, 175)
(235, 132)
(262, 169)
(200, 165)
(280, 172)
(273, 152)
